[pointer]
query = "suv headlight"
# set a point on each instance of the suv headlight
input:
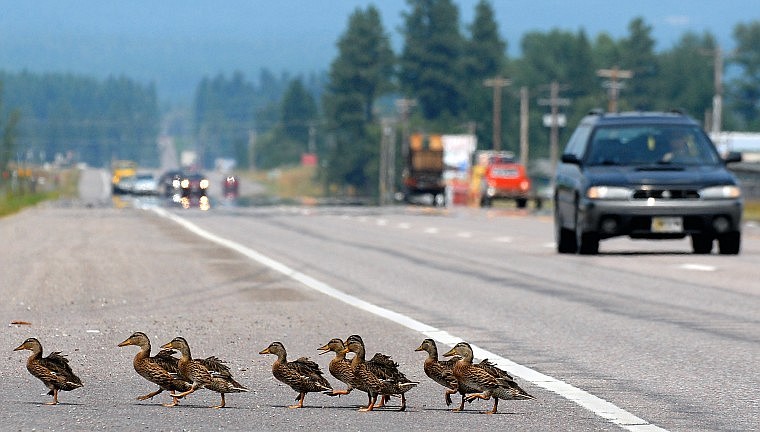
(608, 193)
(204, 183)
(720, 192)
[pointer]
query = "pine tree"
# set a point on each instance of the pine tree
(360, 74)
(431, 69)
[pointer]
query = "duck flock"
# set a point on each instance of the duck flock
(378, 377)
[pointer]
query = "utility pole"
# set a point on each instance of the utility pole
(717, 108)
(554, 103)
(387, 172)
(497, 83)
(615, 74)
(524, 125)
(404, 107)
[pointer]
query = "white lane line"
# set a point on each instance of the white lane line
(598, 406)
(503, 239)
(431, 230)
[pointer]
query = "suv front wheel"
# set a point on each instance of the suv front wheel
(564, 237)
(587, 242)
(730, 243)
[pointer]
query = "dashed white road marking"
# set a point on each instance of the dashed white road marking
(503, 239)
(595, 404)
(404, 225)
(464, 234)
(431, 230)
(698, 267)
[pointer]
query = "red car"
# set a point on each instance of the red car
(505, 180)
(230, 187)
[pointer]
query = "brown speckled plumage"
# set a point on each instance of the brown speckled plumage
(340, 366)
(480, 379)
(161, 369)
(210, 373)
(378, 377)
(302, 375)
(54, 370)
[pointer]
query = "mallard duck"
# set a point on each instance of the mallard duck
(379, 377)
(161, 369)
(440, 371)
(340, 366)
(483, 381)
(302, 375)
(54, 370)
(210, 373)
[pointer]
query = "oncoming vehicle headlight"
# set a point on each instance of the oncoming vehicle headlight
(185, 183)
(608, 193)
(720, 192)
(204, 183)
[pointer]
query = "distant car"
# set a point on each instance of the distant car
(503, 178)
(145, 184)
(194, 185)
(648, 176)
(124, 185)
(169, 184)
(230, 186)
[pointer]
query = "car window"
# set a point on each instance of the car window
(577, 141)
(650, 145)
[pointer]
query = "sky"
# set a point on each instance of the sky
(174, 43)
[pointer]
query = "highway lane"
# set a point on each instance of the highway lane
(639, 327)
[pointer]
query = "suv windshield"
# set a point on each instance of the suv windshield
(650, 145)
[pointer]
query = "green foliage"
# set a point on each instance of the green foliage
(746, 88)
(94, 121)
(431, 70)
(360, 74)
(484, 57)
(8, 140)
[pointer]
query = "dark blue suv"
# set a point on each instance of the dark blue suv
(645, 175)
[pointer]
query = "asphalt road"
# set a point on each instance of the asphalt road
(645, 334)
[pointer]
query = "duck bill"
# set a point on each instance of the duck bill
(20, 347)
(125, 343)
(167, 346)
(344, 351)
(325, 349)
(264, 351)
(420, 348)
(450, 353)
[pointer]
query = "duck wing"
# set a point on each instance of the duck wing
(166, 360)
(312, 375)
(59, 372)
(493, 369)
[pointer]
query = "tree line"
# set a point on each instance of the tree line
(439, 74)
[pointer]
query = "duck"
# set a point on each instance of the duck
(302, 375)
(340, 366)
(378, 377)
(441, 371)
(483, 381)
(54, 370)
(161, 369)
(210, 373)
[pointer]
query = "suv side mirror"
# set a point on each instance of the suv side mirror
(570, 158)
(733, 157)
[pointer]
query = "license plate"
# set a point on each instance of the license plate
(667, 224)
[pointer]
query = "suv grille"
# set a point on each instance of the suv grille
(666, 194)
